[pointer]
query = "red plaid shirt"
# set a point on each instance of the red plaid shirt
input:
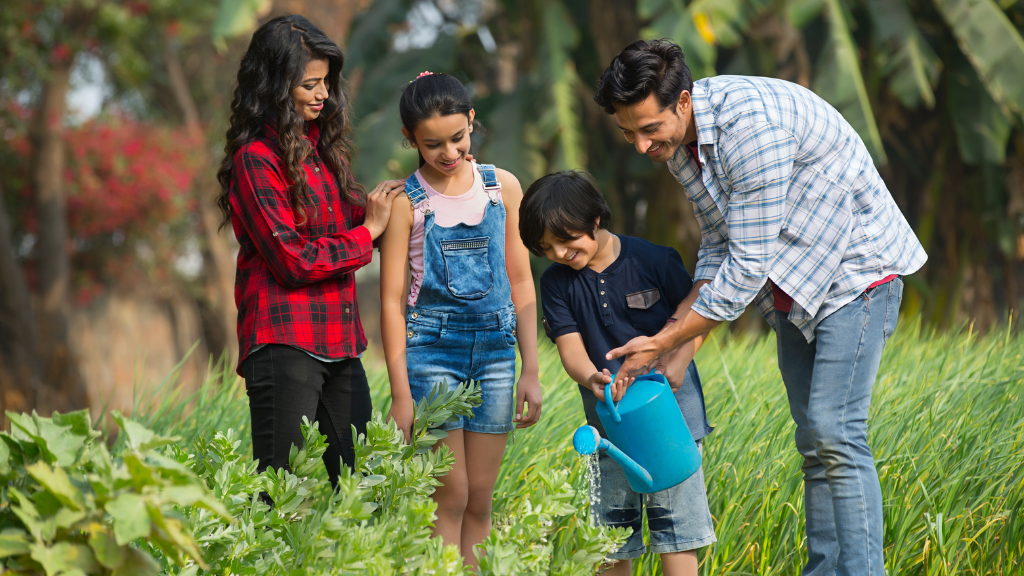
(294, 283)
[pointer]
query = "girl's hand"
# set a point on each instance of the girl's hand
(378, 206)
(528, 392)
(402, 413)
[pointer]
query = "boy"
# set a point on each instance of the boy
(603, 290)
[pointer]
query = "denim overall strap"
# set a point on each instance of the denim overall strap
(417, 195)
(464, 265)
(491, 184)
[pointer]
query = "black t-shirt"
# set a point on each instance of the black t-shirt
(633, 296)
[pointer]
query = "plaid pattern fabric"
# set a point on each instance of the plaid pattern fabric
(294, 284)
(788, 192)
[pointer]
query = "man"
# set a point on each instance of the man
(794, 218)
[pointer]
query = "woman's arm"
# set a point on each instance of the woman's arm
(264, 208)
(394, 275)
(517, 264)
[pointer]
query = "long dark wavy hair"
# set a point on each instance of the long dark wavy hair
(274, 64)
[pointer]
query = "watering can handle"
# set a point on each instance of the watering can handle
(611, 403)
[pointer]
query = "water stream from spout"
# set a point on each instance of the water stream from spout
(594, 482)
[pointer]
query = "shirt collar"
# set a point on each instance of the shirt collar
(703, 117)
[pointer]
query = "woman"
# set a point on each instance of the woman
(304, 226)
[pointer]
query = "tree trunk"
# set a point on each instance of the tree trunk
(60, 369)
(220, 270)
(18, 358)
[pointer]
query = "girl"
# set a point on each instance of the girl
(457, 229)
(303, 226)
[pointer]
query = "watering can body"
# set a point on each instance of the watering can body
(647, 436)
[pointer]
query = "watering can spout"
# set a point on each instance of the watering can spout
(587, 441)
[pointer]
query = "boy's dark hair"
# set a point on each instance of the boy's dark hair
(643, 68)
(567, 203)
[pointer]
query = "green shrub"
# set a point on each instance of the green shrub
(159, 505)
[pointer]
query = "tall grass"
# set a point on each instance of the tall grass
(946, 429)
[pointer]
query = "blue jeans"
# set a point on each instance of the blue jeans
(678, 518)
(453, 348)
(829, 385)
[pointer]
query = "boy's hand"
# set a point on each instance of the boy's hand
(402, 413)
(527, 392)
(599, 382)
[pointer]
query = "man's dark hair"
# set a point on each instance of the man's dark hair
(567, 203)
(643, 68)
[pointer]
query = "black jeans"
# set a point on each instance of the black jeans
(284, 384)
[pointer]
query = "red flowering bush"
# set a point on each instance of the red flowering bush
(129, 205)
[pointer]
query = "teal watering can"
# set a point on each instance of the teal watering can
(647, 436)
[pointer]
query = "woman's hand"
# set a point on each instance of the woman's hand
(378, 206)
(402, 413)
(528, 392)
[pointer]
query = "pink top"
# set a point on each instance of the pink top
(467, 208)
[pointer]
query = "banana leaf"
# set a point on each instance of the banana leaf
(839, 81)
(905, 56)
(993, 46)
(560, 36)
(982, 131)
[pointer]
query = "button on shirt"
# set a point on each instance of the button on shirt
(786, 190)
(633, 296)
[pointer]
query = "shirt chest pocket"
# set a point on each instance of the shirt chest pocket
(467, 268)
(645, 313)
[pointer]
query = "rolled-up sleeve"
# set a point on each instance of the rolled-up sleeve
(264, 209)
(758, 161)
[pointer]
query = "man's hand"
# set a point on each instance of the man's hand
(641, 355)
(528, 393)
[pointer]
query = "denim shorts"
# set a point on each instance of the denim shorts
(449, 349)
(678, 518)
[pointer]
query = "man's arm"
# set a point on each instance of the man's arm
(643, 351)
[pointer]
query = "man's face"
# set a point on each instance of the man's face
(655, 131)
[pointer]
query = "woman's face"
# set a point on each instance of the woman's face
(310, 94)
(443, 141)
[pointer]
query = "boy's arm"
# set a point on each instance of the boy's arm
(578, 366)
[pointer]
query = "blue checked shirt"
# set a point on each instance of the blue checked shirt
(788, 192)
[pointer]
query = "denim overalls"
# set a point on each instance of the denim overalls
(462, 327)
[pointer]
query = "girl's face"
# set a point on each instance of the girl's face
(310, 94)
(443, 141)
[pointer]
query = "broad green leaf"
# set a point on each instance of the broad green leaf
(994, 47)
(14, 542)
(56, 481)
(65, 557)
(982, 131)
(140, 437)
(236, 17)
(79, 422)
(5, 458)
(137, 563)
(560, 36)
(906, 57)
(194, 495)
(131, 520)
(106, 549)
(801, 12)
(839, 81)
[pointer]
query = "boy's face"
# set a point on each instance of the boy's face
(575, 252)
